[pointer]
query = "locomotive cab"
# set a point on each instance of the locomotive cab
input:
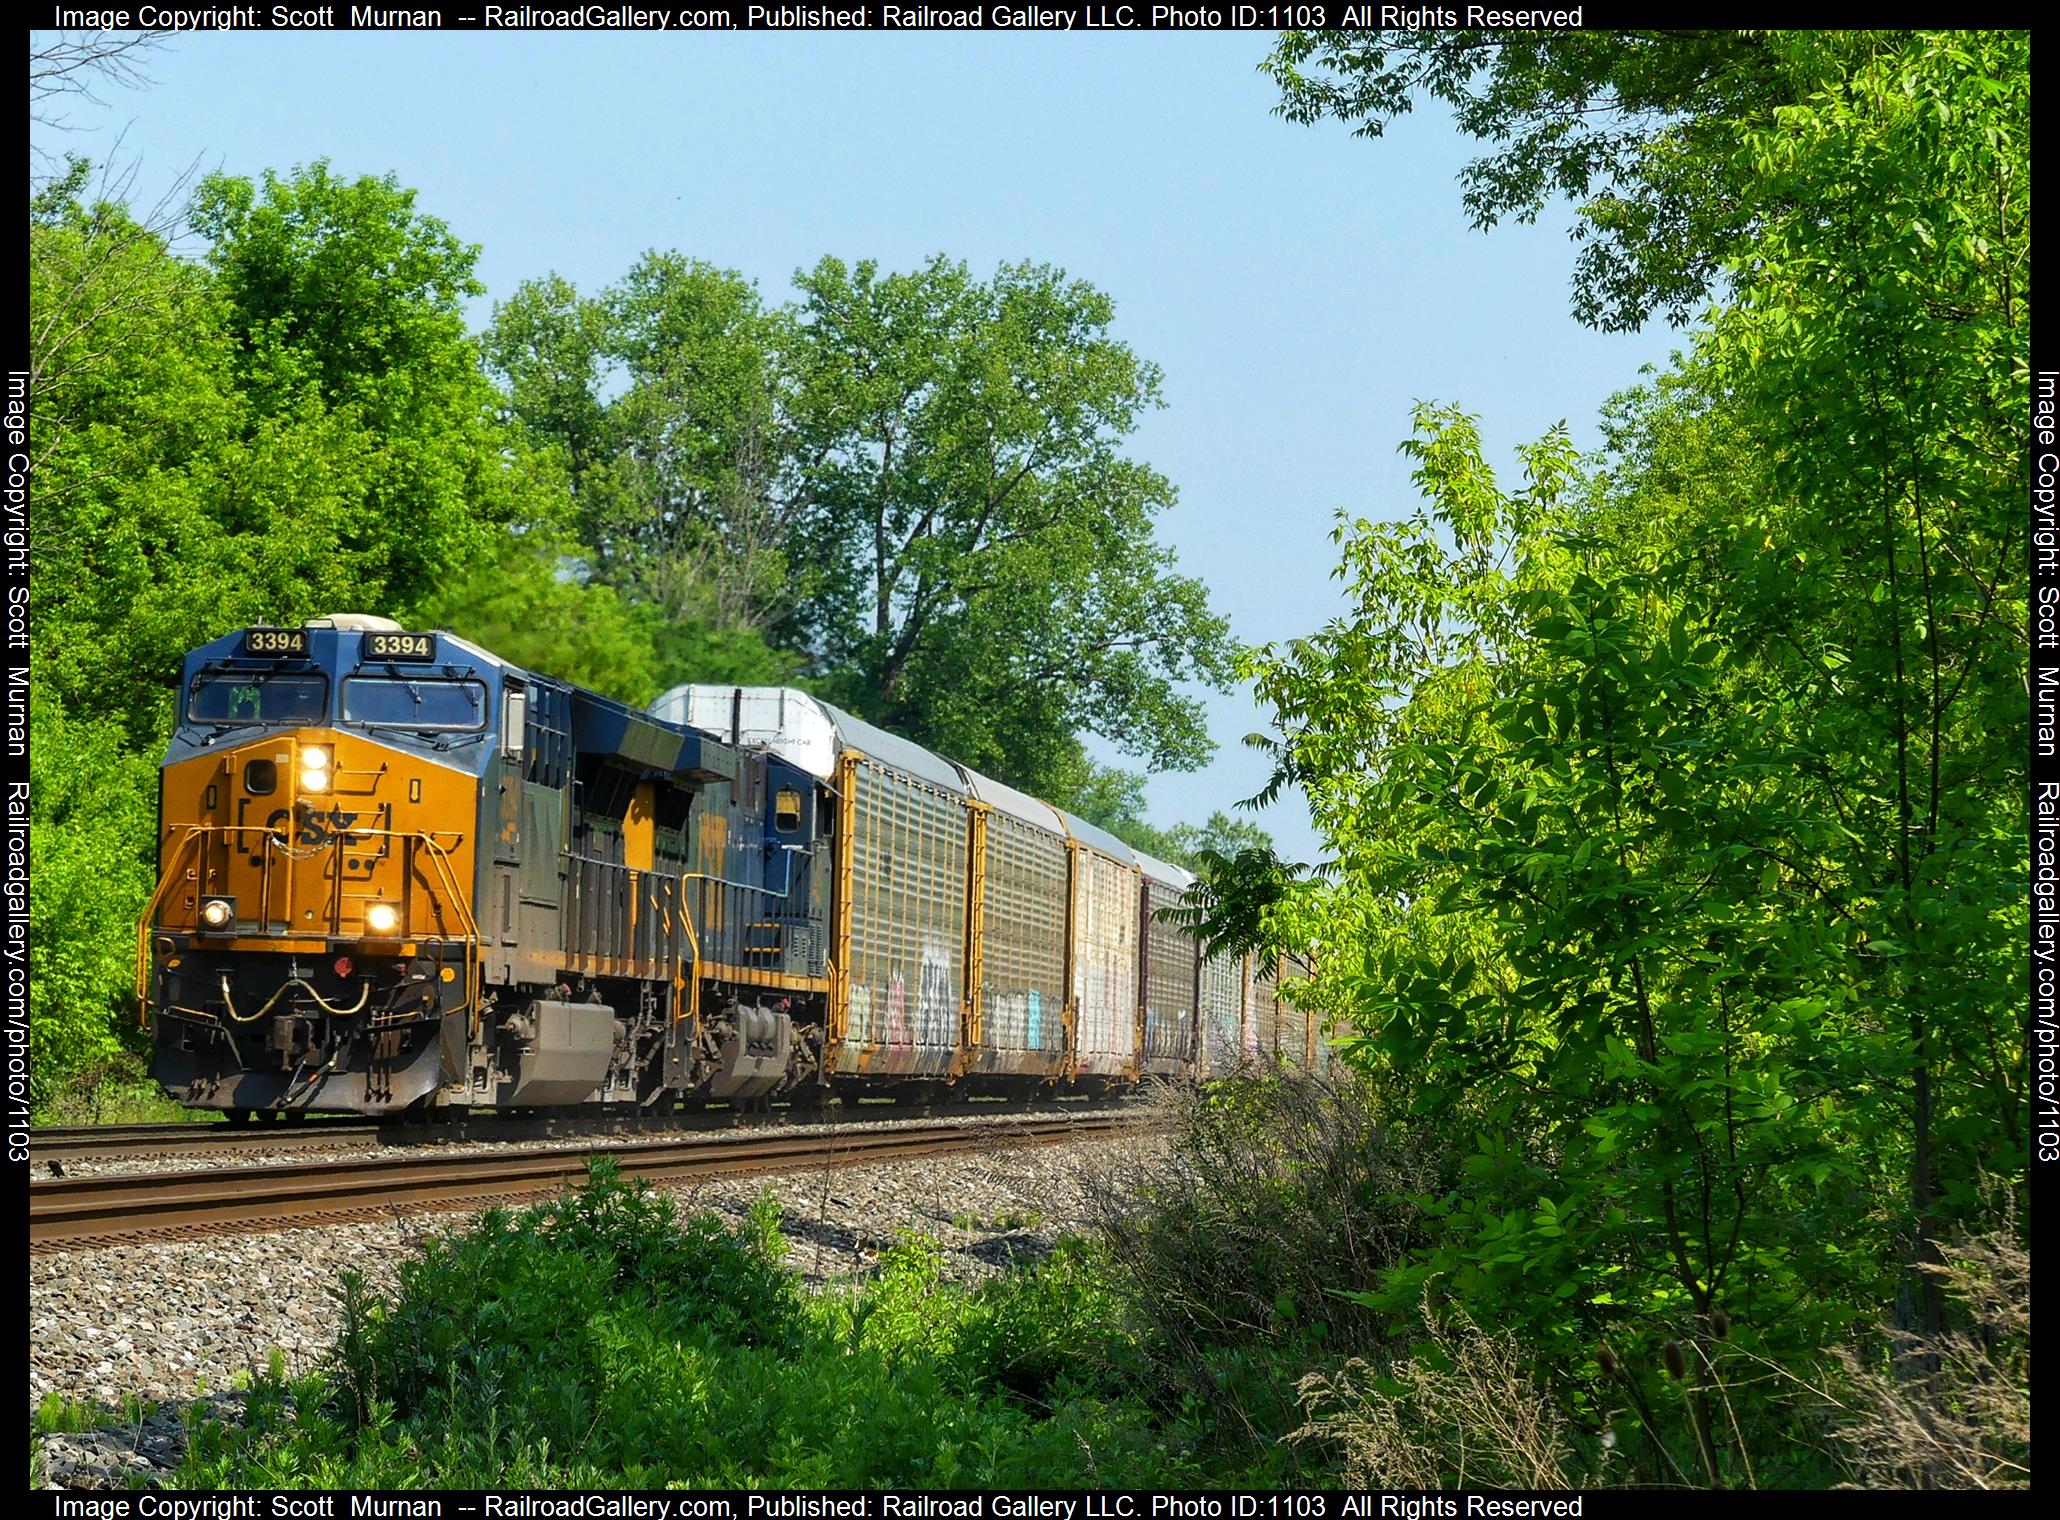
(312, 939)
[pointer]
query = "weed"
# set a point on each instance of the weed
(1465, 1412)
(58, 1415)
(764, 1227)
(1952, 1410)
(605, 1339)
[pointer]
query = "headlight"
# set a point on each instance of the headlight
(218, 912)
(314, 781)
(382, 918)
(314, 768)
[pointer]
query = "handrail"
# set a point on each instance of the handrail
(187, 843)
(693, 1012)
(466, 921)
(751, 886)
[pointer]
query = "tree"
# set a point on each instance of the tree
(1636, 127)
(295, 426)
(661, 397)
(345, 300)
(92, 799)
(1676, 799)
(65, 67)
(980, 567)
(532, 604)
(1879, 350)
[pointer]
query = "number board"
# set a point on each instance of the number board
(291, 642)
(400, 646)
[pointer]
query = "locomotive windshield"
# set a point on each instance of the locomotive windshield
(395, 702)
(257, 697)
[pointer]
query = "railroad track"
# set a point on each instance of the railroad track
(70, 1213)
(109, 1142)
(106, 1141)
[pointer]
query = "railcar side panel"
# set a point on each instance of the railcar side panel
(1292, 1026)
(1022, 996)
(1298, 1038)
(908, 872)
(1170, 971)
(1262, 1009)
(1222, 1013)
(1104, 964)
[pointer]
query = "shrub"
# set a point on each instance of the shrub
(1275, 1191)
(605, 1339)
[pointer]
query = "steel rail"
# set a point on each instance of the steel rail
(105, 1142)
(110, 1140)
(70, 1213)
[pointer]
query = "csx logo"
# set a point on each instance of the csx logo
(314, 828)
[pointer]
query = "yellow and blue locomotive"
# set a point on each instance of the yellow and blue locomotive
(398, 872)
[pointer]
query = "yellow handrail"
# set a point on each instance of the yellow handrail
(693, 943)
(185, 846)
(466, 921)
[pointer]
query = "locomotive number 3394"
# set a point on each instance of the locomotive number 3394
(400, 646)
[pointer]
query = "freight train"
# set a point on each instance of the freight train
(398, 873)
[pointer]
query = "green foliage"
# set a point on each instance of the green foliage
(1634, 127)
(906, 488)
(1677, 798)
(604, 1340)
(91, 802)
(764, 1223)
(678, 474)
(526, 603)
(57, 1415)
(298, 429)
(981, 571)
(534, 600)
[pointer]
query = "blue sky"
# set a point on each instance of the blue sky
(1300, 287)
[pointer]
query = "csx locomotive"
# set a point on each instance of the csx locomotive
(399, 873)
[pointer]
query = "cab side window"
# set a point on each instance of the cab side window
(514, 721)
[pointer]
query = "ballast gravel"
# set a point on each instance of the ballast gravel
(166, 1323)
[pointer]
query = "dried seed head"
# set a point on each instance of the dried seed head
(1721, 1323)
(1677, 1363)
(1608, 1361)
